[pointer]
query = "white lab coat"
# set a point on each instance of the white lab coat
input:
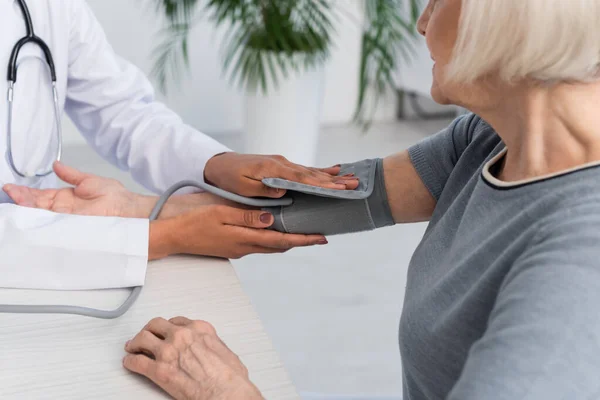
(112, 104)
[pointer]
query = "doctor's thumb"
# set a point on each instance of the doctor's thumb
(68, 174)
(253, 219)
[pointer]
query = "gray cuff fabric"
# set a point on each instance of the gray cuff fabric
(329, 212)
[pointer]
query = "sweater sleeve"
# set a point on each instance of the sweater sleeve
(434, 157)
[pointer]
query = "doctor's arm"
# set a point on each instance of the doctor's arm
(95, 195)
(193, 223)
(222, 231)
(113, 105)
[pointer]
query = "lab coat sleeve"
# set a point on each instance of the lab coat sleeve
(113, 105)
(46, 250)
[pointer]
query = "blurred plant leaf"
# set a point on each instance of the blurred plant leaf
(265, 40)
(390, 30)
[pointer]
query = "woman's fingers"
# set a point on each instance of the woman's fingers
(180, 321)
(159, 327)
(144, 342)
(166, 376)
(140, 364)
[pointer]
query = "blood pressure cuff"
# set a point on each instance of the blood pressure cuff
(317, 210)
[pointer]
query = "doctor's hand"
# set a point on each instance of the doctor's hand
(95, 195)
(189, 361)
(243, 173)
(222, 231)
(91, 195)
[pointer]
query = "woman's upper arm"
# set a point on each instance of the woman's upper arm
(409, 199)
(415, 178)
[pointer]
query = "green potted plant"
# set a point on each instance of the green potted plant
(275, 51)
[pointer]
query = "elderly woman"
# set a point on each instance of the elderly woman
(503, 290)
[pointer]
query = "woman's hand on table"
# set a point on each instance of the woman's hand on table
(222, 231)
(243, 174)
(189, 361)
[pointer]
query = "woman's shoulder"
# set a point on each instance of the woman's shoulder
(475, 138)
(472, 127)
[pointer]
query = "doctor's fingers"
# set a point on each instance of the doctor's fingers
(277, 240)
(29, 197)
(69, 174)
(334, 170)
(315, 178)
(250, 226)
(244, 217)
(253, 186)
(248, 249)
(350, 180)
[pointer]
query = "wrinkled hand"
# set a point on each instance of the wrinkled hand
(188, 361)
(92, 195)
(243, 174)
(223, 231)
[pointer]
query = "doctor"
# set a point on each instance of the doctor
(58, 59)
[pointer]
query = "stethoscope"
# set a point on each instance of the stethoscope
(12, 79)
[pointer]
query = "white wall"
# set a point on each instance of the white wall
(205, 99)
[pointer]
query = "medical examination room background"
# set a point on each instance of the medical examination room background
(332, 312)
(206, 100)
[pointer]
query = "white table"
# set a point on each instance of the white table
(76, 357)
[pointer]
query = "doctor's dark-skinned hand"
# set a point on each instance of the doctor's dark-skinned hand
(222, 231)
(189, 361)
(243, 173)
